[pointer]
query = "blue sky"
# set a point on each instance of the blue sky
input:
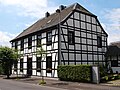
(17, 15)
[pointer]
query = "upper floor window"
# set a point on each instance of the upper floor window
(49, 38)
(16, 45)
(99, 42)
(71, 39)
(29, 42)
(38, 39)
(22, 44)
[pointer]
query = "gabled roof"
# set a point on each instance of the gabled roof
(52, 20)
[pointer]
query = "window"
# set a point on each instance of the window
(114, 63)
(49, 64)
(38, 39)
(71, 39)
(21, 65)
(22, 45)
(29, 42)
(99, 42)
(49, 38)
(16, 45)
(15, 66)
(38, 64)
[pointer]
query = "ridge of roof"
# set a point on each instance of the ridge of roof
(51, 20)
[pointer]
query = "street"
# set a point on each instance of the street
(14, 85)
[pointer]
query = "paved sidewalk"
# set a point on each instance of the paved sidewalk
(54, 82)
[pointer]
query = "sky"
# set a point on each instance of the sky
(17, 15)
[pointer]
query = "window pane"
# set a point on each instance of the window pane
(29, 42)
(38, 39)
(114, 63)
(71, 37)
(99, 42)
(38, 64)
(49, 64)
(49, 38)
(22, 44)
(21, 65)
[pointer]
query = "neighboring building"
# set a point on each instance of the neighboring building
(113, 56)
(71, 35)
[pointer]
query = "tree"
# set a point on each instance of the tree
(42, 53)
(7, 56)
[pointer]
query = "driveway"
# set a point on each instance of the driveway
(15, 85)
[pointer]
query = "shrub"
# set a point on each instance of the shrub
(1, 70)
(42, 82)
(103, 70)
(80, 73)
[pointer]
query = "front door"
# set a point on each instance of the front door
(29, 66)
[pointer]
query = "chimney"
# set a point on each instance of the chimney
(47, 14)
(58, 11)
(61, 7)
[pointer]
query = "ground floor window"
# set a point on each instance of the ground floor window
(21, 65)
(38, 64)
(15, 66)
(114, 63)
(49, 64)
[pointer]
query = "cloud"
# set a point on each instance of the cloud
(32, 8)
(5, 37)
(112, 24)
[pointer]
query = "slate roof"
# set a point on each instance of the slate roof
(52, 20)
(113, 49)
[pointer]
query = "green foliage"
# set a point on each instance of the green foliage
(1, 69)
(103, 70)
(42, 82)
(7, 56)
(80, 73)
(40, 50)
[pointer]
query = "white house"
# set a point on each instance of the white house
(71, 35)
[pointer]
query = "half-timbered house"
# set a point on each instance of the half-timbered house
(71, 35)
(113, 57)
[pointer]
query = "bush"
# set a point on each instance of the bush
(1, 70)
(80, 73)
(103, 71)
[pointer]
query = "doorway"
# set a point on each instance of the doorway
(29, 66)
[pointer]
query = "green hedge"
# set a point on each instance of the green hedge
(80, 73)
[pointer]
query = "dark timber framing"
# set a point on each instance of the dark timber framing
(84, 28)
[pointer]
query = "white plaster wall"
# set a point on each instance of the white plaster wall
(93, 20)
(78, 47)
(77, 23)
(78, 56)
(71, 56)
(70, 22)
(83, 25)
(76, 15)
(84, 56)
(88, 18)
(82, 17)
